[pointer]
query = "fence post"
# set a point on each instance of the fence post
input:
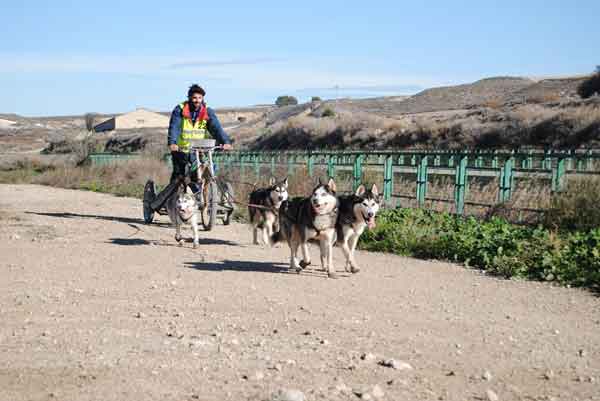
(451, 161)
(357, 171)
(569, 165)
(547, 163)
(495, 162)
(479, 161)
(291, 160)
(422, 180)
(331, 165)
(506, 179)
(257, 165)
(558, 174)
(272, 164)
(460, 184)
(388, 177)
(589, 160)
(311, 164)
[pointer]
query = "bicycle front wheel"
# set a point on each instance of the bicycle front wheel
(211, 203)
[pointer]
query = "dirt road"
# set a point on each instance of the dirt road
(95, 305)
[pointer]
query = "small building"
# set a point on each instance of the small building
(140, 118)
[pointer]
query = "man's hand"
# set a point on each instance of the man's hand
(173, 147)
(227, 146)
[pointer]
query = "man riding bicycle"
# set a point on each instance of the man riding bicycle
(190, 120)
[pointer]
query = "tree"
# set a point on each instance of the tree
(590, 86)
(286, 101)
(315, 99)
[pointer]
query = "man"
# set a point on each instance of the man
(192, 119)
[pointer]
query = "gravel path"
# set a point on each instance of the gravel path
(95, 305)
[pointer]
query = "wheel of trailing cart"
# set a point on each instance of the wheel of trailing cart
(149, 195)
(227, 199)
(209, 213)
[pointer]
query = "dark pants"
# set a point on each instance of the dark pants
(182, 163)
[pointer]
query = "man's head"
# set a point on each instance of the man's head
(196, 96)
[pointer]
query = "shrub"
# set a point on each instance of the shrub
(315, 99)
(286, 101)
(501, 248)
(328, 113)
(590, 86)
(576, 208)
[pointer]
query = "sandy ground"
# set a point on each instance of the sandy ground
(95, 305)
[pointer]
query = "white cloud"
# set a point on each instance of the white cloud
(262, 73)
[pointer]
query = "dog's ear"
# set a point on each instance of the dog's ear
(375, 191)
(360, 190)
(331, 185)
(271, 181)
(188, 190)
(320, 182)
(285, 182)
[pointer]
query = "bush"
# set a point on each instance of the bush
(328, 113)
(501, 248)
(590, 86)
(286, 101)
(315, 99)
(576, 208)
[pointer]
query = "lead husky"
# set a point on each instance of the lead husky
(304, 219)
(357, 212)
(182, 208)
(265, 219)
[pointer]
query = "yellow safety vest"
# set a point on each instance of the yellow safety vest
(191, 130)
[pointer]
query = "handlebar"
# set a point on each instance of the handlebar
(206, 149)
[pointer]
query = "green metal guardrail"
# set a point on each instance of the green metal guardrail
(552, 165)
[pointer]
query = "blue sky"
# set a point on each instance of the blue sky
(70, 57)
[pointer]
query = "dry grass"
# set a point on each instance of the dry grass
(574, 209)
(543, 122)
(577, 207)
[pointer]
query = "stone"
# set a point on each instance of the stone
(377, 392)
(289, 395)
(396, 364)
(490, 395)
(368, 357)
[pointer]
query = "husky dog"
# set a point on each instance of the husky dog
(312, 218)
(182, 208)
(356, 213)
(265, 219)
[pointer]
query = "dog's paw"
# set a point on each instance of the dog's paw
(354, 269)
(304, 264)
(332, 274)
(195, 245)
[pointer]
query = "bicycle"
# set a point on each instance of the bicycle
(217, 197)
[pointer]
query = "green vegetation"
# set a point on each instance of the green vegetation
(590, 86)
(501, 248)
(286, 101)
(328, 113)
